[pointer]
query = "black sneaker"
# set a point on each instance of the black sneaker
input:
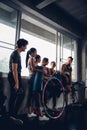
(16, 121)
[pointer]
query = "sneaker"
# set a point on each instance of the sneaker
(43, 118)
(16, 121)
(32, 115)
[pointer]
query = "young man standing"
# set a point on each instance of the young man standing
(66, 71)
(14, 78)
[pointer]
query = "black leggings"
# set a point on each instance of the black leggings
(16, 97)
(30, 90)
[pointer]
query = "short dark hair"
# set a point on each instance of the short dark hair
(70, 58)
(37, 57)
(45, 59)
(53, 62)
(22, 42)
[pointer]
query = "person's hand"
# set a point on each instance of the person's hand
(16, 87)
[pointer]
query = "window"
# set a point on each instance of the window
(39, 36)
(8, 18)
(67, 47)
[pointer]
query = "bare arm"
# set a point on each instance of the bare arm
(63, 71)
(15, 74)
(32, 63)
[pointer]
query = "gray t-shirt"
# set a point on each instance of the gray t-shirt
(15, 58)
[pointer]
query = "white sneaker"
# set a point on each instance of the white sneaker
(43, 118)
(32, 115)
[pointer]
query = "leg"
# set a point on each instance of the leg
(66, 98)
(12, 102)
(19, 96)
(18, 102)
(68, 89)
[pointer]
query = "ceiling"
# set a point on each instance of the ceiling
(71, 14)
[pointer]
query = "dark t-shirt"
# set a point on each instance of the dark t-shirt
(15, 58)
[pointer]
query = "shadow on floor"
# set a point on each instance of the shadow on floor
(74, 118)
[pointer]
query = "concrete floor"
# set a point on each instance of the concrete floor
(74, 118)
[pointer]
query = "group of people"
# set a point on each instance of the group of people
(38, 75)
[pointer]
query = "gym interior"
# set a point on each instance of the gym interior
(57, 29)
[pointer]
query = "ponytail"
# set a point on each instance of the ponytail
(29, 52)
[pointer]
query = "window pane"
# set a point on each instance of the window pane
(8, 20)
(40, 36)
(7, 33)
(66, 47)
(4, 59)
(44, 48)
